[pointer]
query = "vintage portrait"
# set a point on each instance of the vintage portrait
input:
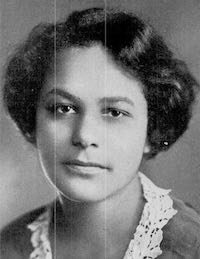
(100, 129)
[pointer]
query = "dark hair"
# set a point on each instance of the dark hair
(169, 88)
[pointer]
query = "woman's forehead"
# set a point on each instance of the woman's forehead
(80, 58)
(91, 71)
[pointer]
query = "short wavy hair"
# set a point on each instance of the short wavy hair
(168, 86)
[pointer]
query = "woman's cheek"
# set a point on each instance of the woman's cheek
(55, 131)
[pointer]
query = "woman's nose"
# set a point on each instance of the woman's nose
(85, 133)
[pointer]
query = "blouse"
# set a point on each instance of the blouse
(167, 229)
(146, 240)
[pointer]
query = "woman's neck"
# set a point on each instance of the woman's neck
(113, 220)
(119, 212)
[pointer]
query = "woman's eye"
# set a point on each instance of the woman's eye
(115, 113)
(65, 109)
(61, 109)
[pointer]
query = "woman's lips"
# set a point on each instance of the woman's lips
(85, 168)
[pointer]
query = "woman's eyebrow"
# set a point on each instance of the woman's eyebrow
(116, 99)
(64, 94)
(104, 100)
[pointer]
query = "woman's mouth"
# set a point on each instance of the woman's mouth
(77, 167)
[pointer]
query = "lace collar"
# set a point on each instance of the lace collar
(158, 210)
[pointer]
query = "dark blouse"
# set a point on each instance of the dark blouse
(181, 236)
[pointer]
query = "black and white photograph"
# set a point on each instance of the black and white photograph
(100, 129)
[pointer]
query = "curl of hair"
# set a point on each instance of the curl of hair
(134, 46)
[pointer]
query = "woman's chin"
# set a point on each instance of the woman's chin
(79, 192)
(82, 197)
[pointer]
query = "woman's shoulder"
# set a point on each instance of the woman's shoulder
(15, 237)
(182, 233)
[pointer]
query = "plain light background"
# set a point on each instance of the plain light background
(22, 184)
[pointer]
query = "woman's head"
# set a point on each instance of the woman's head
(134, 48)
(91, 125)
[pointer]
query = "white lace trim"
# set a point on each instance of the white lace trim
(157, 212)
(146, 241)
(40, 237)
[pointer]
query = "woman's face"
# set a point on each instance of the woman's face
(91, 125)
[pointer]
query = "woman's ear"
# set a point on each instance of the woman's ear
(31, 137)
(147, 148)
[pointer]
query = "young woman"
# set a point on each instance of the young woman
(95, 95)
